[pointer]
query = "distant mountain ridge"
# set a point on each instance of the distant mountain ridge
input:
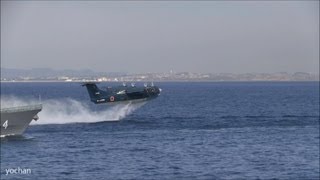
(48, 74)
(45, 73)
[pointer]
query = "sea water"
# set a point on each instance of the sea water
(209, 130)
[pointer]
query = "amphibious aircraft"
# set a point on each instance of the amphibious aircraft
(124, 93)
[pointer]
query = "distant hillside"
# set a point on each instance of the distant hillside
(48, 73)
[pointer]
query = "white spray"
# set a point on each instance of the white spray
(72, 111)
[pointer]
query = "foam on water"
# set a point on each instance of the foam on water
(72, 111)
(12, 101)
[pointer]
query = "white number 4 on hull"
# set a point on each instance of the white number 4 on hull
(5, 124)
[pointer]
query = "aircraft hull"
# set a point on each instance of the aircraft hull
(122, 94)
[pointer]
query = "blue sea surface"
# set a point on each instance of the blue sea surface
(207, 130)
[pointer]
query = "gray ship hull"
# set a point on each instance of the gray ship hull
(15, 120)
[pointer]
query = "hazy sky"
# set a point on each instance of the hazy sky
(236, 37)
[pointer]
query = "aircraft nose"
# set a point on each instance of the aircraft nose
(154, 90)
(158, 90)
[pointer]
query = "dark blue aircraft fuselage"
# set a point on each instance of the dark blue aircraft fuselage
(121, 93)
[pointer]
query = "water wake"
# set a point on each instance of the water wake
(72, 111)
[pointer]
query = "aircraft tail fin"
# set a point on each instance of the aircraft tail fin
(94, 92)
